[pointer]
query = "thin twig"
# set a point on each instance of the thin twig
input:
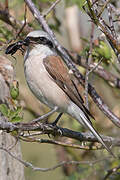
(13, 145)
(104, 28)
(24, 24)
(88, 62)
(31, 134)
(30, 165)
(103, 8)
(10, 20)
(109, 77)
(51, 8)
(51, 141)
(95, 67)
(6, 6)
(111, 171)
(111, 22)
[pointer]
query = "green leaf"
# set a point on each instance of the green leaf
(16, 119)
(14, 92)
(14, 133)
(4, 109)
(13, 114)
(19, 109)
(104, 50)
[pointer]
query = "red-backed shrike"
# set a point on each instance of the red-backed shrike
(50, 81)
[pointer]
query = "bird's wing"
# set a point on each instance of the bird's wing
(60, 74)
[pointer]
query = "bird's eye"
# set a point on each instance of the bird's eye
(45, 41)
(42, 39)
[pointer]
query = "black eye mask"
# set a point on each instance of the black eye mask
(41, 40)
(12, 48)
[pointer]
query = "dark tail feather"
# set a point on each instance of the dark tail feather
(94, 132)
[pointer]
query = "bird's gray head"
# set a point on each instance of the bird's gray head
(39, 37)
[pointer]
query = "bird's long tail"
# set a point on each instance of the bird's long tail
(80, 116)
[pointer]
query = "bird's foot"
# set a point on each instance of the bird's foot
(45, 115)
(54, 123)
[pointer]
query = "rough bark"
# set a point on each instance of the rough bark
(10, 169)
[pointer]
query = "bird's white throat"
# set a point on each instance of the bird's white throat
(42, 50)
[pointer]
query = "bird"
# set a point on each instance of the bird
(50, 80)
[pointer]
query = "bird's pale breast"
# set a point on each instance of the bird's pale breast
(42, 84)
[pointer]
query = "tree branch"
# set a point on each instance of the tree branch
(111, 171)
(51, 8)
(30, 165)
(110, 78)
(10, 20)
(60, 143)
(103, 26)
(55, 131)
